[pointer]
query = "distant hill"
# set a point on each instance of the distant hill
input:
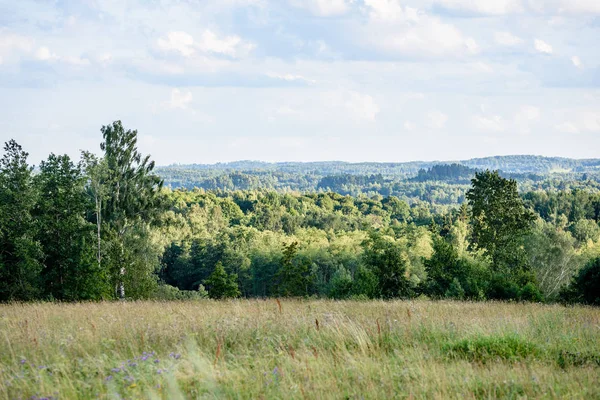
(436, 182)
(510, 164)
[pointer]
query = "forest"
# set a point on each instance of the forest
(113, 226)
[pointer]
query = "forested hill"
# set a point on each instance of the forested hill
(435, 182)
(508, 164)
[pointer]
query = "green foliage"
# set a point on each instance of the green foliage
(71, 271)
(20, 252)
(166, 292)
(455, 290)
(222, 285)
(133, 201)
(485, 349)
(386, 259)
(341, 284)
(106, 228)
(585, 286)
(366, 283)
(530, 292)
(500, 220)
(449, 275)
(553, 257)
(294, 278)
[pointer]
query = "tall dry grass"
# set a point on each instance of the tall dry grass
(299, 349)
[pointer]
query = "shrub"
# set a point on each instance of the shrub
(530, 292)
(168, 292)
(585, 286)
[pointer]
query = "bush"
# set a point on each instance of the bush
(341, 284)
(530, 292)
(168, 292)
(585, 286)
(455, 290)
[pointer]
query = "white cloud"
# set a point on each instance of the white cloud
(504, 7)
(105, 58)
(210, 42)
(567, 127)
(232, 46)
(13, 44)
(436, 120)
(180, 42)
(542, 46)
(180, 99)
(525, 117)
(406, 30)
(409, 126)
(486, 7)
(507, 39)
(76, 61)
(291, 78)
(287, 110)
(391, 10)
(322, 8)
(576, 61)
(575, 6)
(362, 106)
(44, 54)
(493, 123)
(586, 121)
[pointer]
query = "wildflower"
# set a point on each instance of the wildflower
(109, 378)
(116, 370)
(23, 361)
(275, 371)
(156, 361)
(144, 358)
(159, 371)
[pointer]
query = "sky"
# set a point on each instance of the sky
(207, 81)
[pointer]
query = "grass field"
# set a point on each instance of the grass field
(299, 349)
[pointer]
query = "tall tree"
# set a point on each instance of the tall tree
(500, 219)
(134, 198)
(386, 259)
(294, 277)
(96, 173)
(20, 253)
(222, 285)
(71, 271)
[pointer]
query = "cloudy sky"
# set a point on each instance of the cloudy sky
(358, 80)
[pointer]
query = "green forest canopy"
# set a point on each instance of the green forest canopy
(105, 227)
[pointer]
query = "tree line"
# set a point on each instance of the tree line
(106, 228)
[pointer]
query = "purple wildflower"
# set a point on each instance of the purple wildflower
(156, 361)
(109, 378)
(23, 361)
(116, 370)
(159, 371)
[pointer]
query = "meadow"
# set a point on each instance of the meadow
(297, 349)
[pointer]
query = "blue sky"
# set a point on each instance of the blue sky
(205, 81)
